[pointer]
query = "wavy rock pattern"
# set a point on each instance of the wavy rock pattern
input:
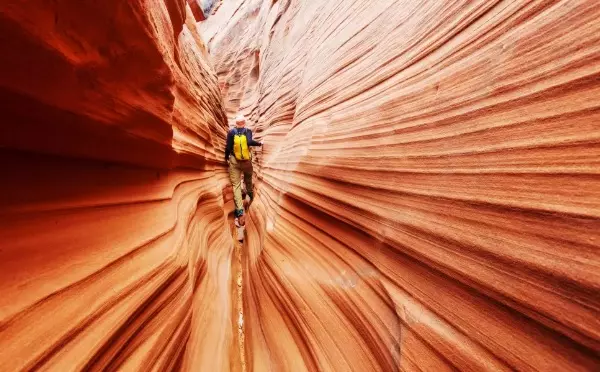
(429, 194)
(114, 246)
(428, 197)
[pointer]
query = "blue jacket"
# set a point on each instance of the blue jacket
(229, 143)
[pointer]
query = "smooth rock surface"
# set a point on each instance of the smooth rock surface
(427, 199)
(114, 245)
(429, 194)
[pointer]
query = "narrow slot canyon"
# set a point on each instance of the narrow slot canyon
(426, 197)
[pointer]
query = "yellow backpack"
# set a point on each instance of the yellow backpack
(240, 145)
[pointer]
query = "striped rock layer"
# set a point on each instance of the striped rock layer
(427, 196)
(429, 188)
(114, 247)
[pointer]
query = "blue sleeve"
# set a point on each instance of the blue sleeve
(251, 142)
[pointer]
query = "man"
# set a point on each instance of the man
(237, 153)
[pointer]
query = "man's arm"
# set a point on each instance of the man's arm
(252, 142)
(228, 145)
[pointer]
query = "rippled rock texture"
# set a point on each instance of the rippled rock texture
(114, 245)
(429, 194)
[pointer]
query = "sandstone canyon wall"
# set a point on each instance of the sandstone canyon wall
(114, 246)
(428, 196)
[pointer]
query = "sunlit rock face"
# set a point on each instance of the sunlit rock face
(114, 244)
(429, 193)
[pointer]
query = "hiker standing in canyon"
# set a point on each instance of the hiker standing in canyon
(237, 153)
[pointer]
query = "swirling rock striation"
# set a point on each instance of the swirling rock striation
(428, 197)
(429, 194)
(115, 252)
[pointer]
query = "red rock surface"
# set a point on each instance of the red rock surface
(428, 196)
(429, 192)
(114, 246)
(196, 10)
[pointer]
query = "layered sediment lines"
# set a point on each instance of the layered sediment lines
(114, 246)
(429, 194)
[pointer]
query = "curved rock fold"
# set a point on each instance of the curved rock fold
(427, 197)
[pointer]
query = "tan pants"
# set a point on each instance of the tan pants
(236, 169)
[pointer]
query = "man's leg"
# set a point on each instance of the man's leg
(248, 171)
(235, 175)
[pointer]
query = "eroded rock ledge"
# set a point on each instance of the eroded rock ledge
(428, 197)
